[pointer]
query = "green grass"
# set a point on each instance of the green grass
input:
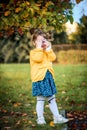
(17, 106)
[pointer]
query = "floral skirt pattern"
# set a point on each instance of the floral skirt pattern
(45, 87)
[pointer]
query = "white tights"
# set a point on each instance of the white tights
(52, 105)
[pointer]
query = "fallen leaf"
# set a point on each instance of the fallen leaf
(69, 115)
(18, 113)
(5, 111)
(18, 123)
(24, 120)
(24, 114)
(52, 124)
(32, 101)
(9, 101)
(70, 119)
(63, 92)
(12, 112)
(27, 105)
(35, 113)
(30, 122)
(33, 125)
(17, 104)
(47, 106)
(7, 128)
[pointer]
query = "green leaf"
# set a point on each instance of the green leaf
(70, 11)
(35, 7)
(16, 17)
(37, 13)
(31, 10)
(11, 1)
(71, 19)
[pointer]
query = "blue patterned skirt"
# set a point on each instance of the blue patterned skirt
(45, 87)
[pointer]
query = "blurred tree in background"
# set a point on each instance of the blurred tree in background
(83, 30)
(80, 35)
(60, 38)
(17, 15)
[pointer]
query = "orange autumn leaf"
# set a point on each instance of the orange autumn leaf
(52, 124)
(18, 123)
(17, 104)
(17, 10)
(78, 1)
(24, 114)
(5, 111)
(6, 13)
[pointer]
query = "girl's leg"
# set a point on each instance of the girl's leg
(53, 105)
(40, 109)
(54, 109)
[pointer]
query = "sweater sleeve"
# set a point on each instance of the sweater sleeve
(36, 55)
(51, 55)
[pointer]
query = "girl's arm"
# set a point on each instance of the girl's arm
(37, 55)
(50, 53)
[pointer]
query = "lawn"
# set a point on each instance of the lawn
(17, 106)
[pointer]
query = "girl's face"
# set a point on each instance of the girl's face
(41, 41)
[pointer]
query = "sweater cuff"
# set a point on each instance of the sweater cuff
(48, 48)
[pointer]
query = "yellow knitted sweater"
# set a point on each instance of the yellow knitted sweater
(40, 62)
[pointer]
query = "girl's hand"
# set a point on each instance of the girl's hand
(38, 44)
(48, 47)
(48, 44)
(45, 44)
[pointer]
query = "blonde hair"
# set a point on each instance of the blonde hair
(36, 32)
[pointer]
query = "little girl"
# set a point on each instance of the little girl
(42, 75)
